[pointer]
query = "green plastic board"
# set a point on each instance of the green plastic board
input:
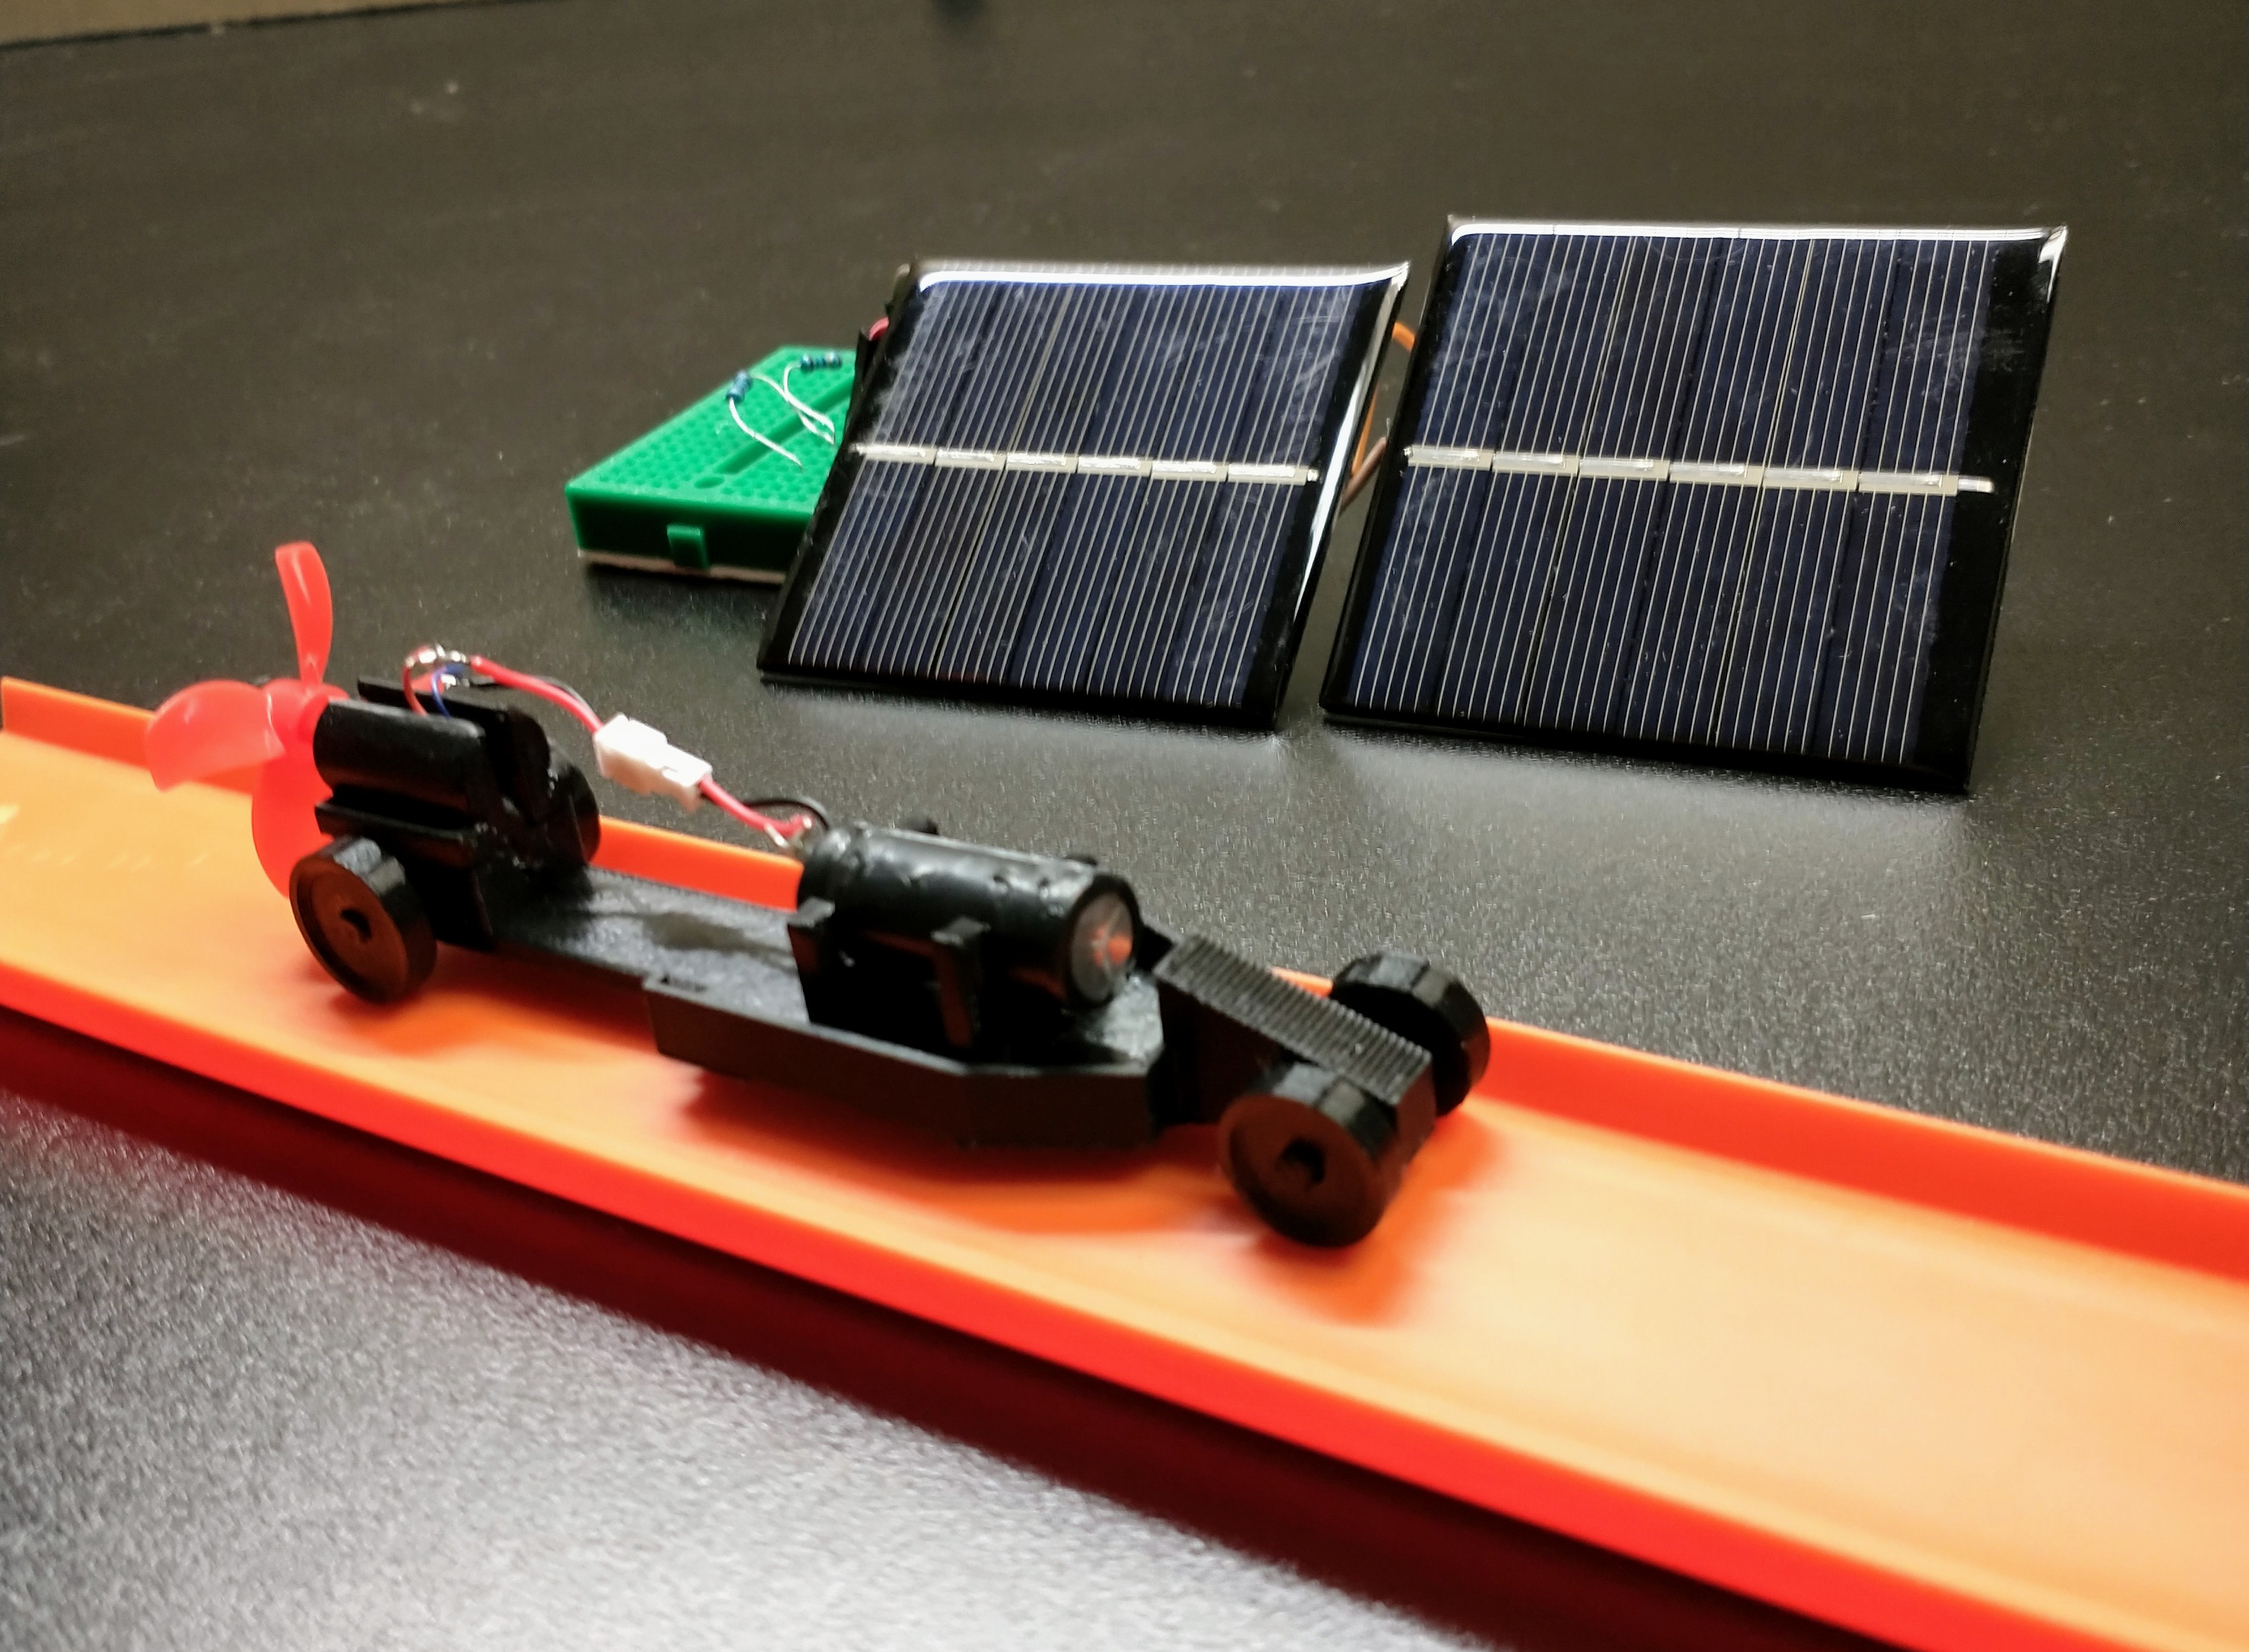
(697, 496)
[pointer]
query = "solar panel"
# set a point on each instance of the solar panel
(1740, 495)
(1091, 486)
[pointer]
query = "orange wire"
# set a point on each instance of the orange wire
(1402, 336)
(1363, 471)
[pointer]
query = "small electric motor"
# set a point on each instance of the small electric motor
(923, 940)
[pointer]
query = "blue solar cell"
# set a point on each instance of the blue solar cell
(1701, 489)
(1093, 485)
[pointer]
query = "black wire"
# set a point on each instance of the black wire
(801, 805)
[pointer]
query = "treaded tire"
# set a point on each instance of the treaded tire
(1417, 1000)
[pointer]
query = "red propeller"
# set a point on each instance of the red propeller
(219, 726)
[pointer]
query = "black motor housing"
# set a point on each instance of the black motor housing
(469, 801)
(951, 946)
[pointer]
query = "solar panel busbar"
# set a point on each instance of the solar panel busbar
(1740, 495)
(1088, 485)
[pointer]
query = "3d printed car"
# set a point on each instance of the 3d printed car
(993, 997)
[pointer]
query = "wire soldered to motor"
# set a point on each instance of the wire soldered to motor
(636, 755)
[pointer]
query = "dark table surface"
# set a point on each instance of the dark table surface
(386, 282)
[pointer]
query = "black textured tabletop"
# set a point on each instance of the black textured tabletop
(386, 282)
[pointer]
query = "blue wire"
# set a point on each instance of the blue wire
(449, 668)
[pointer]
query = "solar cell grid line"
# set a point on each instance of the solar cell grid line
(920, 406)
(1479, 357)
(1281, 421)
(1017, 342)
(1236, 420)
(1514, 547)
(1130, 621)
(1483, 357)
(1902, 409)
(1790, 583)
(869, 524)
(1804, 340)
(1753, 533)
(1206, 657)
(989, 417)
(1209, 663)
(1935, 356)
(1076, 514)
(1092, 539)
(1143, 576)
(1509, 562)
(1518, 364)
(996, 582)
(1827, 430)
(1753, 319)
(1389, 675)
(995, 492)
(1906, 417)
(1783, 619)
(1611, 386)
(1752, 323)
(1954, 364)
(1589, 607)
(1687, 593)
(1090, 635)
(1411, 620)
(1737, 425)
(1482, 363)
(1825, 401)
(1802, 572)
(1021, 383)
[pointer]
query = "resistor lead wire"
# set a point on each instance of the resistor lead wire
(807, 415)
(735, 391)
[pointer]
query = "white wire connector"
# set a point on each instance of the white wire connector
(641, 760)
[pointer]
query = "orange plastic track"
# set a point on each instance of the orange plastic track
(1942, 1385)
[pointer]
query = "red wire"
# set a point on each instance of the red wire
(779, 831)
(526, 684)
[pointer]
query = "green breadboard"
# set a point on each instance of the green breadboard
(697, 496)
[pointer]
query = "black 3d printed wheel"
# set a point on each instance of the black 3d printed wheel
(362, 919)
(1417, 1000)
(1306, 1151)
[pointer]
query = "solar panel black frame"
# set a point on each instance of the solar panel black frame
(2020, 298)
(1280, 628)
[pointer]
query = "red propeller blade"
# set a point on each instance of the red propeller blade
(282, 827)
(305, 583)
(210, 728)
(219, 727)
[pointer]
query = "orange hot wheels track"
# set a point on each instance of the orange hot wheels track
(1946, 1387)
